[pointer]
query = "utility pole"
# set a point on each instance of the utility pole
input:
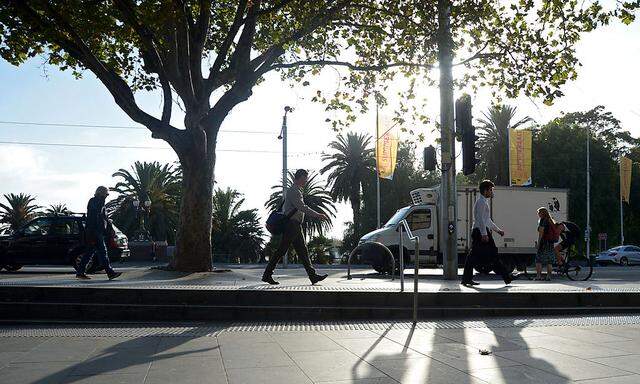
(587, 231)
(283, 137)
(377, 170)
(448, 185)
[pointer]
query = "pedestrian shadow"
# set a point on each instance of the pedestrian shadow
(127, 354)
(527, 370)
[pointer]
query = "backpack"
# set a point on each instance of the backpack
(552, 233)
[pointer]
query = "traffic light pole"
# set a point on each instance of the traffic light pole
(448, 228)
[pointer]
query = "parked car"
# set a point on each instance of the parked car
(623, 255)
(55, 241)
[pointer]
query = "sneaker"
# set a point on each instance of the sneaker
(469, 283)
(82, 276)
(269, 279)
(114, 275)
(508, 279)
(317, 278)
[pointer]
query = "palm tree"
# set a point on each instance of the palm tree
(493, 141)
(236, 232)
(351, 165)
(160, 184)
(314, 196)
(18, 210)
(57, 210)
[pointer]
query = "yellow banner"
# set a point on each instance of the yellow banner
(386, 147)
(625, 178)
(520, 157)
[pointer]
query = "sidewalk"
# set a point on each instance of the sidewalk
(514, 351)
(247, 277)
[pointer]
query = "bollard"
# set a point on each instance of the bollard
(401, 253)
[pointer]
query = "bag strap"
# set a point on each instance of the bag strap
(292, 213)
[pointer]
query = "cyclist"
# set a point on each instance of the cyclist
(569, 234)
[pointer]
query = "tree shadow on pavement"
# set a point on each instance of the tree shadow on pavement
(119, 357)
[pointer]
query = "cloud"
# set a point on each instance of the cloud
(25, 170)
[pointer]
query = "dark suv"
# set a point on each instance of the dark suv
(56, 240)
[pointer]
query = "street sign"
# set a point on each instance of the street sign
(602, 236)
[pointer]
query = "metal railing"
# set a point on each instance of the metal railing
(403, 225)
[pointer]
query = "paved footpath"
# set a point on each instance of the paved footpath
(247, 277)
(587, 350)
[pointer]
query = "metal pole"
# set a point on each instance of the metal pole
(621, 208)
(588, 230)
(377, 170)
(509, 155)
(284, 168)
(449, 195)
(415, 282)
(401, 254)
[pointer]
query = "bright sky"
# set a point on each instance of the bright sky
(609, 76)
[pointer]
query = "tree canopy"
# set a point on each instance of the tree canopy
(208, 56)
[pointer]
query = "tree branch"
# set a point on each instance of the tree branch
(118, 88)
(184, 52)
(212, 81)
(150, 53)
(351, 66)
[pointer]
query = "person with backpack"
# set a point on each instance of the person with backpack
(569, 235)
(548, 235)
(293, 212)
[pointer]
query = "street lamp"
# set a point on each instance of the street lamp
(141, 210)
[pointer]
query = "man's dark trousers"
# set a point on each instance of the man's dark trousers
(292, 235)
(479, 251)
(99, 249)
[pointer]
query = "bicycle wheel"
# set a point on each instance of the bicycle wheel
(579, 267)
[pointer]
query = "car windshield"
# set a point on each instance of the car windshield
(398, 217)
(616, 249)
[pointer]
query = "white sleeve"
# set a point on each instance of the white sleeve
(478, 215)
(492, 225)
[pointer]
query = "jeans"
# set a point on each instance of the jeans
(292, 235)
(100, 250)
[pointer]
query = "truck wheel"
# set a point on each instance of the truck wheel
(13, 267)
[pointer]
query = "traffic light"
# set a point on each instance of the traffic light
(464, 125)
(429, 158)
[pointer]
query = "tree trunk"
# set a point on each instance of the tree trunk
(193, 244)
(355, 206)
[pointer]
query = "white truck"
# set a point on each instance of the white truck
(514, 209)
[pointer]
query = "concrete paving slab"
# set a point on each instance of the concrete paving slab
(256, 355)
(634, 379)
(130, 378)
(560, 364)
(35, 373)
(187, 370)
(466, 358)
(334, 366)
(627, 363)
(424, 370)
(20, 344)
(378, 348)
(292, 342)
(571, 347)
(270, 375)
(520, 374)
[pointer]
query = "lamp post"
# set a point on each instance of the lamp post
(283, 137)
(141, 210)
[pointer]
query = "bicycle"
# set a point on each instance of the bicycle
(576, 266)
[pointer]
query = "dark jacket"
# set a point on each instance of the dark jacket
(97, 221)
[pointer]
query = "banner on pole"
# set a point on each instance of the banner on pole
(625, 178)
(520, 157)
(386, 147)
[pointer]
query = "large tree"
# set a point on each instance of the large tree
(351, 165)
(210, 55)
